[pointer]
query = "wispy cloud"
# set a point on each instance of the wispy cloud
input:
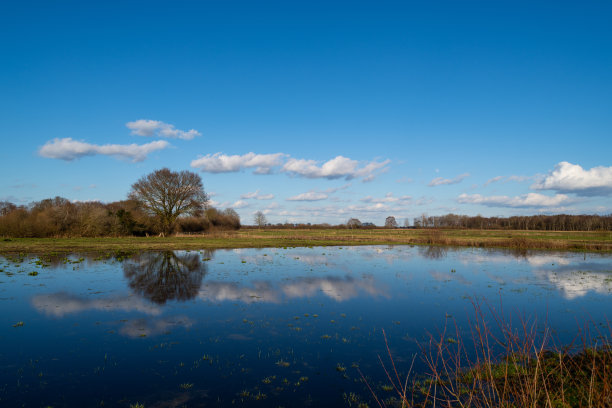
(309, 196)
(493, 180)
(255, 195)
(504, 179)
(388, 198)
(572, 178)
(69, 149)
(440, 181)
(531, 200)
(314, 195)
(146, 127)
(222, 163)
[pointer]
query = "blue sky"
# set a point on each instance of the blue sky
(313, 111)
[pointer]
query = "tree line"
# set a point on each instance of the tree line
(559, 222)
(162, 202)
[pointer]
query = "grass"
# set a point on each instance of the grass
(495, 364)
(599, 241)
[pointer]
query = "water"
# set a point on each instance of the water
(262, 327)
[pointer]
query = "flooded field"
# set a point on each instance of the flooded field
(263, 327)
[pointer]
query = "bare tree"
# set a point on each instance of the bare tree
(353, 223)
(390, 222)
(168, 194)
(6, 207)
(260, 219)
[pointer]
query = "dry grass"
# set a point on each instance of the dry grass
(259, 238)
(499, 365)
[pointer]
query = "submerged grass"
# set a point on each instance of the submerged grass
(598, 241)
(498, 365)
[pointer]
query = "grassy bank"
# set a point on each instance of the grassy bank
(262, 238)
(497, 364)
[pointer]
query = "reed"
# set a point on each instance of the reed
(496, 364)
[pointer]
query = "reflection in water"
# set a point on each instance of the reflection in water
(62, 303)
(163, 276)
(432, 252)
(150, 327)
(246, 334)
(576, 280)
(337, 288)
(449, 276)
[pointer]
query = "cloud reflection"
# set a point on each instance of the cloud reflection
(62, 303)
(577, 280)
(146, 327)
(337, 288)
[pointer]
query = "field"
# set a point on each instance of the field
(600, 241)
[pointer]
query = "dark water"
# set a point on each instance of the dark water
(261, 327)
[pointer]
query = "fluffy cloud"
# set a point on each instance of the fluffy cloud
(572, 178)
(309, 196)
(69, 149)
(222, 163)
(530, 200)
(440, 181)
(256, 196)
(146, 127)
(338, 167)
(240, 204)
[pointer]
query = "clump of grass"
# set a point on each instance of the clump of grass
(498, 365)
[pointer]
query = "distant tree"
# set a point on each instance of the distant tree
(232, 219)
(260, 219)
(406, 222)
(390, 222)
(353, 223)
(6, 207)
(168, 194)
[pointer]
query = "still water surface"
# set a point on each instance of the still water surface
(261, 327)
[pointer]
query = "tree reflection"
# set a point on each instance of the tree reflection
(163, 276)
(432, 252)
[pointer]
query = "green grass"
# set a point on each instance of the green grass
(262, 238)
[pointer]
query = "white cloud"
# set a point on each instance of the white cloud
(146, 127)
(69, 149)
(336, 189)
(493, 180)
(338, 167)
(256, 196)
(309, 196)
(222, 163)
(572, 178)
(388, 198)
(240, 204)
(524, 201)
(440, 181)
(518, 179)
